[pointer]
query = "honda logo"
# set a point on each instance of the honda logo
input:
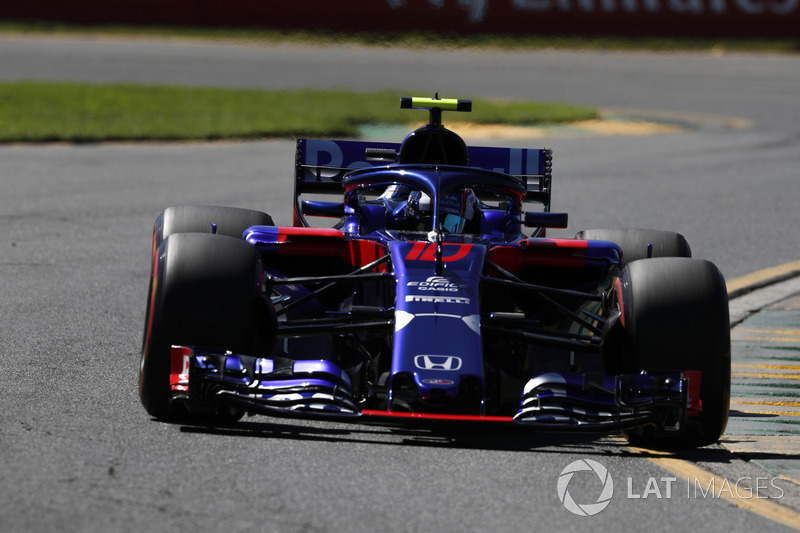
(437, 362)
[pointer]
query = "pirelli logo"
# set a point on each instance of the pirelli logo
(437, 299)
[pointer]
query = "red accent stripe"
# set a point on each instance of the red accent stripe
(179, 368)
(430, 252)
(422, 251)
(435, 416)
(365, 252)
(327, 242)
(416, 250)
(695, 406)
(310, 232)
(568, 253)
(620, 303)
(463, 251)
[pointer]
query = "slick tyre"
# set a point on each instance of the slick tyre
(205, 291)
(230, 221)
(635, 242)
(675, 317)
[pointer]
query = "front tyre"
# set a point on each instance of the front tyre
(675, 317)
(230, 221)
(205, 291)
(635, 242)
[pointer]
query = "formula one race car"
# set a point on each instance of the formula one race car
(426, 304)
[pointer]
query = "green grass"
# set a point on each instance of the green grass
(72, 112)
(419, 39)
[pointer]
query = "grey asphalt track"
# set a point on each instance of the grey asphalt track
(79, 453)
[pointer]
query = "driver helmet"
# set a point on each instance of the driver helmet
(412, 209)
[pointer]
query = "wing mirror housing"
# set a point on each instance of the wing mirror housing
(322, 209)
(546, 220)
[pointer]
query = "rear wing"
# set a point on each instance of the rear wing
(320, 165)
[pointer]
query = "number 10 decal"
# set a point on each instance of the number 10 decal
(423, 251)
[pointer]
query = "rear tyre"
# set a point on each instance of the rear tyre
(635, 242)
(675, 317)
(205, 291)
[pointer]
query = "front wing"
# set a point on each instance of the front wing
(203, 381)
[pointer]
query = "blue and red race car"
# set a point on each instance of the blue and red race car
(434, 299)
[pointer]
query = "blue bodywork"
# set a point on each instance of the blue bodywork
(389, 316)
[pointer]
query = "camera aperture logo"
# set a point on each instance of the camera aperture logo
(594, 478)
(585, 509)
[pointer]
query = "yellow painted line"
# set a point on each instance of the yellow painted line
(776, 404)
(602, 127)
(760, 506)
(773, 331)
(748, 401)
(773, 443)
(770, 376)
(607, 127)
(779, 367)
(762, 276)
(790, 480)
(773, 339)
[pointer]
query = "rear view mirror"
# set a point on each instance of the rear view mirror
(322, 209)
(546, 220)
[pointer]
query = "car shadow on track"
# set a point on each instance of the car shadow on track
(514, 440)
(508, 440)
